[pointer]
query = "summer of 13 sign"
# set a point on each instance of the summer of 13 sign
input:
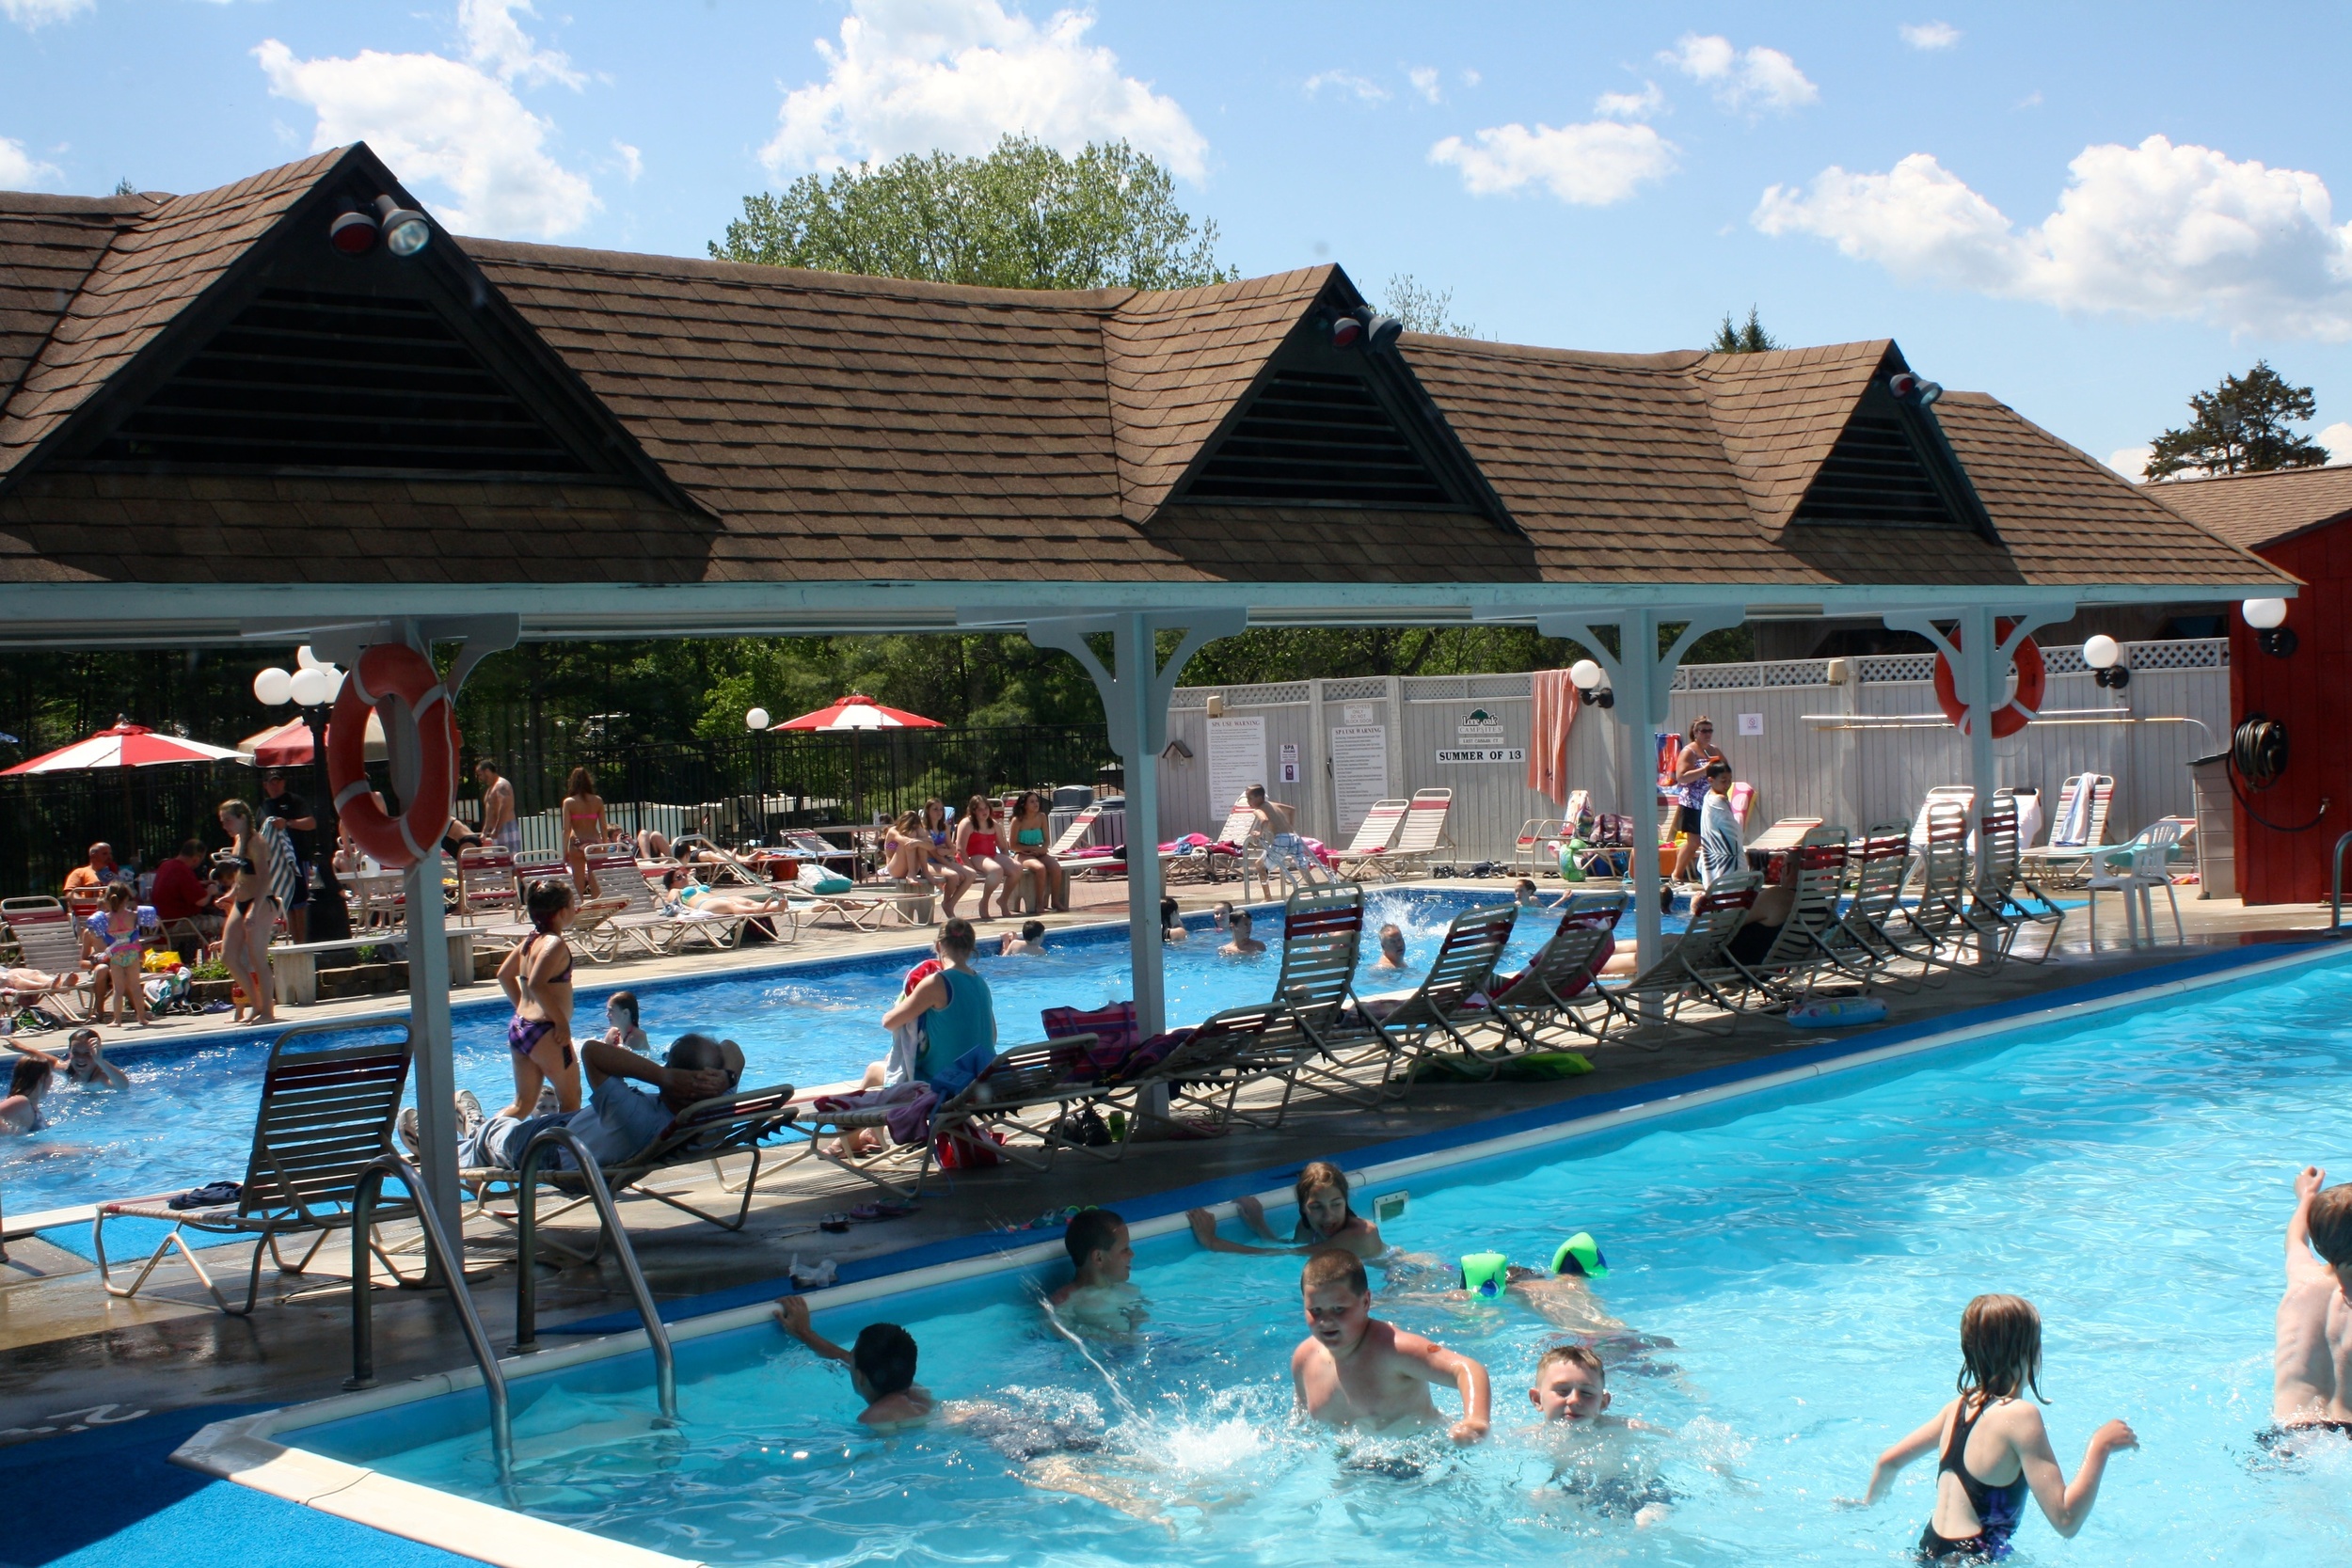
(1485, 753)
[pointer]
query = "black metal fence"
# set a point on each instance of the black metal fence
(736, 790)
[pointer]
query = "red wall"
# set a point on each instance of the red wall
(2311, 693)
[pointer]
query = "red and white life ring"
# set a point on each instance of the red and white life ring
(385, 671)
(2012, 716)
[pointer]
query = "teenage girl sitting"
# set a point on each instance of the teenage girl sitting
(1324, 1221)
(537, 978)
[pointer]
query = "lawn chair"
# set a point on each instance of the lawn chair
(1778, 839)
(1692, 970)
(1436, 1018)
(1371, 844)
(2077, 831)
(49, 941)
(1803, 948)
(485, 883)
(1556, 987)
(1424, 834)
(2149, 869)
(1998, 908)
(1229, 844)
(327, 1112)
(807, 844)
(1860, 947)
(1923, 930)
(647, 926)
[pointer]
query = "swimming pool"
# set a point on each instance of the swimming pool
(189, 1116)
(1806, 1249)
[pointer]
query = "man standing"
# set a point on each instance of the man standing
(292, 814)
(498, 808)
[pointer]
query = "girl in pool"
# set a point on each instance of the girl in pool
(537, 978)
(1993, 1445)
(1324, 1221)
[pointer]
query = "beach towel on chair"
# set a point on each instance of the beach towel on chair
(909, 1106)
(1113, 1027)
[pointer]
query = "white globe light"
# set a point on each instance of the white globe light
(306, 659)
(334, 683)
(757, 719)
(2264, 614)
(2101, 652)
(273, 686)
(1586, 674)
(310, 686)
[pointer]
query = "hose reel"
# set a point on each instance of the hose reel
(2258, 756)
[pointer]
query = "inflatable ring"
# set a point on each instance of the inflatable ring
(385, 671)
(2012, 716)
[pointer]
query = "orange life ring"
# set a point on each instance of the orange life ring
(393, 670)
(2012, 716)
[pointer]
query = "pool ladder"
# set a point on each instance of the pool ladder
(2335, 881)
(453, 1277)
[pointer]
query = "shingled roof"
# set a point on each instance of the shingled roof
(2254, 509)
(711, 422)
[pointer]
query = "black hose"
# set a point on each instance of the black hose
(2258, 755)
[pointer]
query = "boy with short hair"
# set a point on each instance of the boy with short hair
(1355, 1371)
(1572, 1390)
(2312, 1385)
(1029, 941)
(881, 1368)
(1099, 1296)
(1571, 1386)
(1241, 943)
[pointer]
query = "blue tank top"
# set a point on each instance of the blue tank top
(966, 1023)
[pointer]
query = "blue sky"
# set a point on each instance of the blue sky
(2089, 211)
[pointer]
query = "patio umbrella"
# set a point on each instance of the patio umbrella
(856, 712)
(288, 745)
(124, 745)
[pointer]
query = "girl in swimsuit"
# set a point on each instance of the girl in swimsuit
(583, 825)
(976, 847)
(1326, 1221)
(252, 912)
(946, 863)
(117, 930)
(906, 852)
(1990, 1431)
(537, 978)
(1029, 824)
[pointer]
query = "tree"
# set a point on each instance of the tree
(1750, 339)
(2242, 426)
(1422, 309)
(1025, 217)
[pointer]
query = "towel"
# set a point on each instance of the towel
(2074, 825)
(909, 1106)
(1556, 704)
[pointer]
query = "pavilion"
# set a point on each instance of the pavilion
(231, 416)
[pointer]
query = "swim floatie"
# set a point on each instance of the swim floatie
(1838, 1012)
(1486, 1275)
(1579, 1254)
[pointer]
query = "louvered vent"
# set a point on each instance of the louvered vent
(310, 380)
(1311, 437)
(1874, 475)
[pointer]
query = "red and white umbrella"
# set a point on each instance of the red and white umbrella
(288, 745)
(854, 712)
(124, 746)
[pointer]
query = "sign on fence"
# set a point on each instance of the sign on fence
(1236, 760)
(1484, 754)
(1359, 772)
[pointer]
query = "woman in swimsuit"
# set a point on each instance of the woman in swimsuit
(118, 932)
(906, 852)
(946, 862)
(252, 912)
(681, 888)
(583, 825)
(1690, 790)
(1029, 824)
(537, 978)
(976, 847)
(1993, 1445)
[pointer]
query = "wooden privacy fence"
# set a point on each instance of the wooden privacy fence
(1850, 741)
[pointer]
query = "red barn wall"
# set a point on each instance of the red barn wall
(2311, 694)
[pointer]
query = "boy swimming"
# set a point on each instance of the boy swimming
(1029, 941)
(1354, 1371)
(1099, 1297)
(1325, 1220)
(2312, 1382)
(881, 1368)
(1241, 943)
(1571, 1394)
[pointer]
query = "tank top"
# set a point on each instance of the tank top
(1999, 1509)
(966, 1023)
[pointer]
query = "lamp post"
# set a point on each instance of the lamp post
(757, 721)
(313, 686)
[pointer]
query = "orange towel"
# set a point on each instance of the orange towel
(1556, 703)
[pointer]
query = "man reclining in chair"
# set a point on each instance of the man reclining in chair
(619, 1118)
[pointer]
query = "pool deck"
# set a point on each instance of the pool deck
(72, 1350)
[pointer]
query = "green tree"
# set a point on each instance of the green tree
(1025, 217)
(2243, 426)
(1748, 339)
(1423, 308)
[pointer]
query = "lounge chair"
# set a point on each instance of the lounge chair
(1932, 929)
(1555, 990)
(1693, 968)
(2077, 831)
(1860, 947)
(1436, 1018)
(49, 941)
(1231, 845)
(1070, 847)
(327, 1112)
(1778, 839)
(485, 883)
(1364, 851)
(1424, 834)
(2000, 905)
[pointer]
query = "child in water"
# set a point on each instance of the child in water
(1354, 1371)
(881, 1368)
(1325, 1220)
(1100, 1297)
(1571, 1395)
(1242, 945)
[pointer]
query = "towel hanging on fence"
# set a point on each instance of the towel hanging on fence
(1556, 703)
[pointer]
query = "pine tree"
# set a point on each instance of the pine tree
(2242, 426)
(1750, 339)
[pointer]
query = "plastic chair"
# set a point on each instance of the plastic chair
(2149, 869)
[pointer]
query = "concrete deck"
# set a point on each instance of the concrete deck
(72, 1350)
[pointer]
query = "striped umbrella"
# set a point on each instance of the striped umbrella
(124, 745)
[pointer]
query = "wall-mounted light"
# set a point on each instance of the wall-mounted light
(1175, 751)
(2268, 617)
(405, 231)
(352, 231)
(756, 719)
(1217, 705)
(1366, 329)
(1589, 679)
(2105, 656)
(1905, 385)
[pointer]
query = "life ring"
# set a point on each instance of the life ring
(2012, 716)
(385, 671)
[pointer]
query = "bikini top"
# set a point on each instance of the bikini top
(1029, 836)
(531, 940)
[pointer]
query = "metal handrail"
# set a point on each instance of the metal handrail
(526, 1284)
(453, 1272)
(2335, 895)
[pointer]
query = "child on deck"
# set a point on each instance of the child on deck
(1356, 1372)
(1325, 1220)
(881, 1368)
(1100, 1297)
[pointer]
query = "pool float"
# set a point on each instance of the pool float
(1486, 1275)
(1579, 1254)
(1838, 1012)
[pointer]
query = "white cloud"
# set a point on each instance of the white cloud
(2337, 438)
(1593, 165)
(1743, 79)
(1424, 80)
(456, 123)
(2153, 230)
(912, 75)
(30, 14)
(1471, 78)
(1347, 81)
(1630, 106)
(20, 171)
(1930, 35)
(632, 161)
(2132, 462)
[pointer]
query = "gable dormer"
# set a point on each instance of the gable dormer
(1891, 466)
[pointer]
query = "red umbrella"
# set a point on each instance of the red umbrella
(856, 712)
(124, 745)
(288, 745)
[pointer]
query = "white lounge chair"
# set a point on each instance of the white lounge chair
(2077, 832)
(1364, 851)
(1422, 836)
(47, 938)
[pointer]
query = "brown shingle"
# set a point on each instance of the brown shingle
(2254, 509)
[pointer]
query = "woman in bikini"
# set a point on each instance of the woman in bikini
(119, 932)
(537, 979)
(1993, 1445)
(1028, 826)
(583, 825)
(978, 847)
(947, 865)
(252, 914)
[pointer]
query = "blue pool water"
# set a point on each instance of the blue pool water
(189, 1116)
(1807, 1253)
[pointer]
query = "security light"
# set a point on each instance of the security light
(1344, 331)
(2268, 617)
(405, 231)
(2104, 655)
(1905, 385)
(1382, 332)
(352, 232)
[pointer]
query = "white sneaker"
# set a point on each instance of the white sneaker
(468, 1113)
(406, 1126)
